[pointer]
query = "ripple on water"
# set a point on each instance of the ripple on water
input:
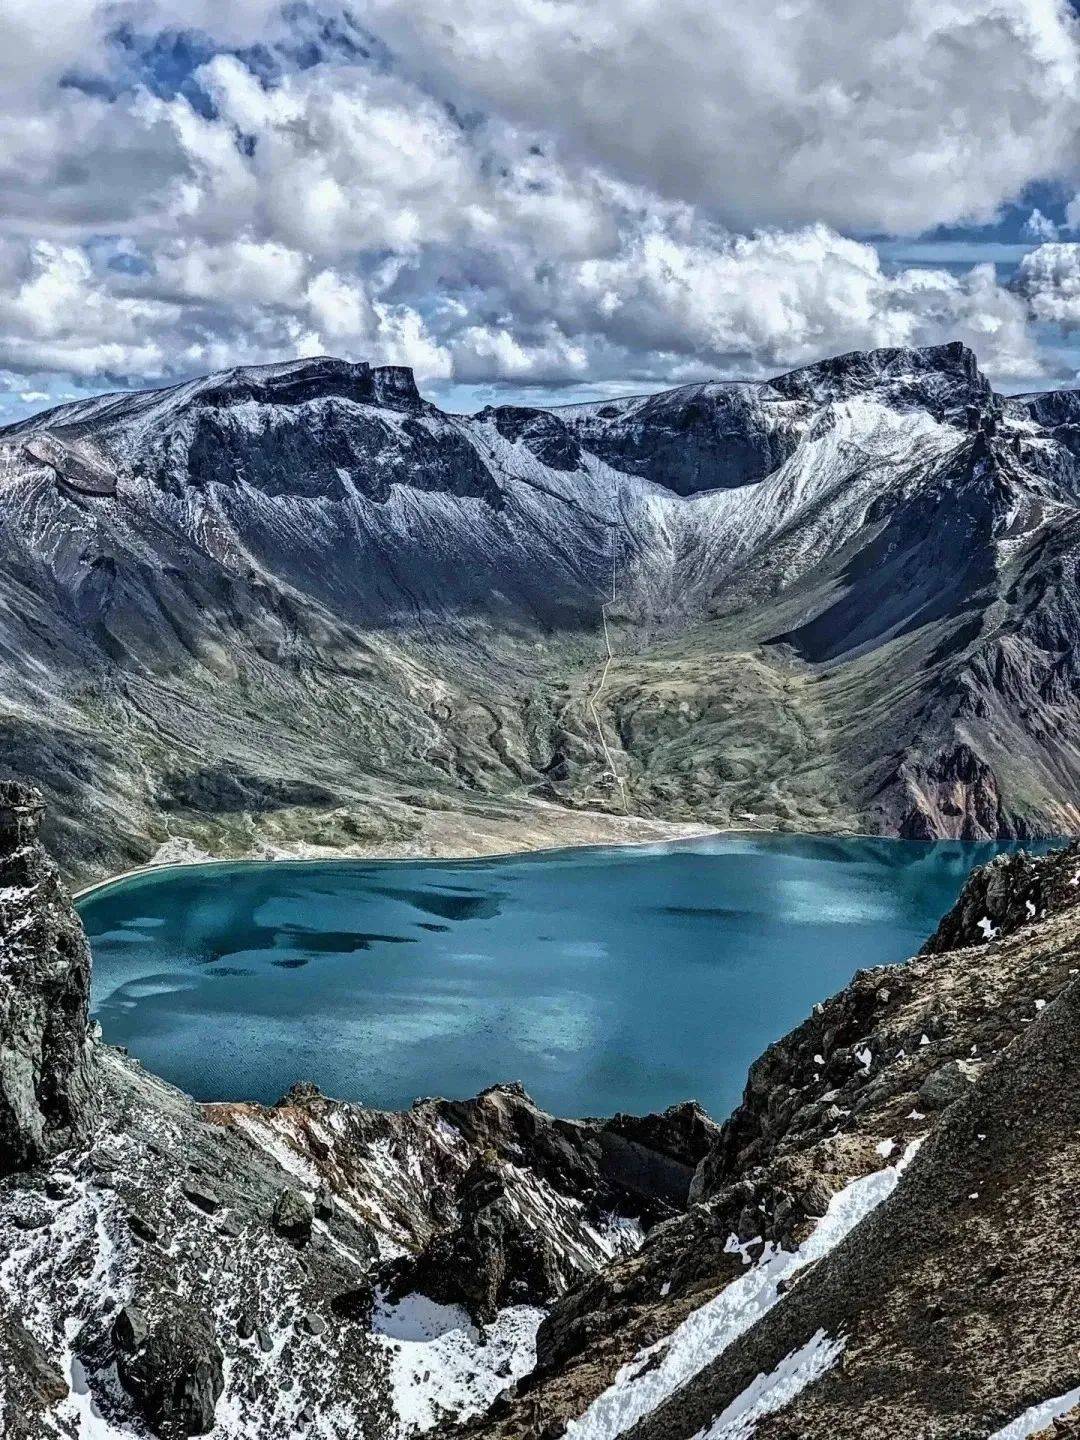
(603, 979)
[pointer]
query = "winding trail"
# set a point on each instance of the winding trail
(610, 656)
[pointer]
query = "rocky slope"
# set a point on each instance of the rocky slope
(299, 606)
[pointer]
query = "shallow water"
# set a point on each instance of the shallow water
(604, 979)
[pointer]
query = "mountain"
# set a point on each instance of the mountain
(299, 607)
(880, 1240)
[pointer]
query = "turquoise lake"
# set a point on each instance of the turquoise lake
(603, 979)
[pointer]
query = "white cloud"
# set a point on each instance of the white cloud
(886, 117)
(56, 313)
(558, 191)
(1049, 279)
(1040, 227)
(241, 271)
(344, 161)
(488, 352)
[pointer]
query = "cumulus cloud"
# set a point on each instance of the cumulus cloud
(562, 191)
(1040, 227)
(1049, 279)
(881, 117)
(57, 313)
(784, 297)
(668, 303)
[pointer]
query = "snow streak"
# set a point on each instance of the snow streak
(1038, 1417)
(640, 1387)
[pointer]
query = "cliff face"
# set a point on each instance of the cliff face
(46, 1089)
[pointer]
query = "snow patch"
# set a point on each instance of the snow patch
(707, 1332)
(769, 1393)
(1037, 1417)
(440, 1361)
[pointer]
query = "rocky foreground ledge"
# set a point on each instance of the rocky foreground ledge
(880, 1241)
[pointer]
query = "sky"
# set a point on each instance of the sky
(541, 201)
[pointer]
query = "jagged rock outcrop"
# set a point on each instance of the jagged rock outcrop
(501, 1246)
(499, 1252)
(1012, 891)
(30, 1384)
(172, 1367)
(46, 1089)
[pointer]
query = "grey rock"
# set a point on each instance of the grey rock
(33, 1383)
(201, 1197)
(130, 1329)
(494, 1256)
(112, 1201)
(294, 1216)
(355, 1304)
(947, 1084)
(171, 1365)
(46, 1089)
(1010, 892)
(145, 1226)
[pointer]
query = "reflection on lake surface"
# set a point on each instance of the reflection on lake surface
(604, 979)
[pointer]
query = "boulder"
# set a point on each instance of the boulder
(171, 1365)
(946, 1084)
(294, 1216)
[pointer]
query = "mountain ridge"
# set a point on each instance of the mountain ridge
(845, 598)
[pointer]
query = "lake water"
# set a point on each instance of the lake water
(603, 979)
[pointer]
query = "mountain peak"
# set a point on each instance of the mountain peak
(944, 378)
(289, 382)
(295, 381)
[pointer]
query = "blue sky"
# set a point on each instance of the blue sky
(552, 201)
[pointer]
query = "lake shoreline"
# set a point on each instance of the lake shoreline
(382, 857)
(678, 836)
(604, 978)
